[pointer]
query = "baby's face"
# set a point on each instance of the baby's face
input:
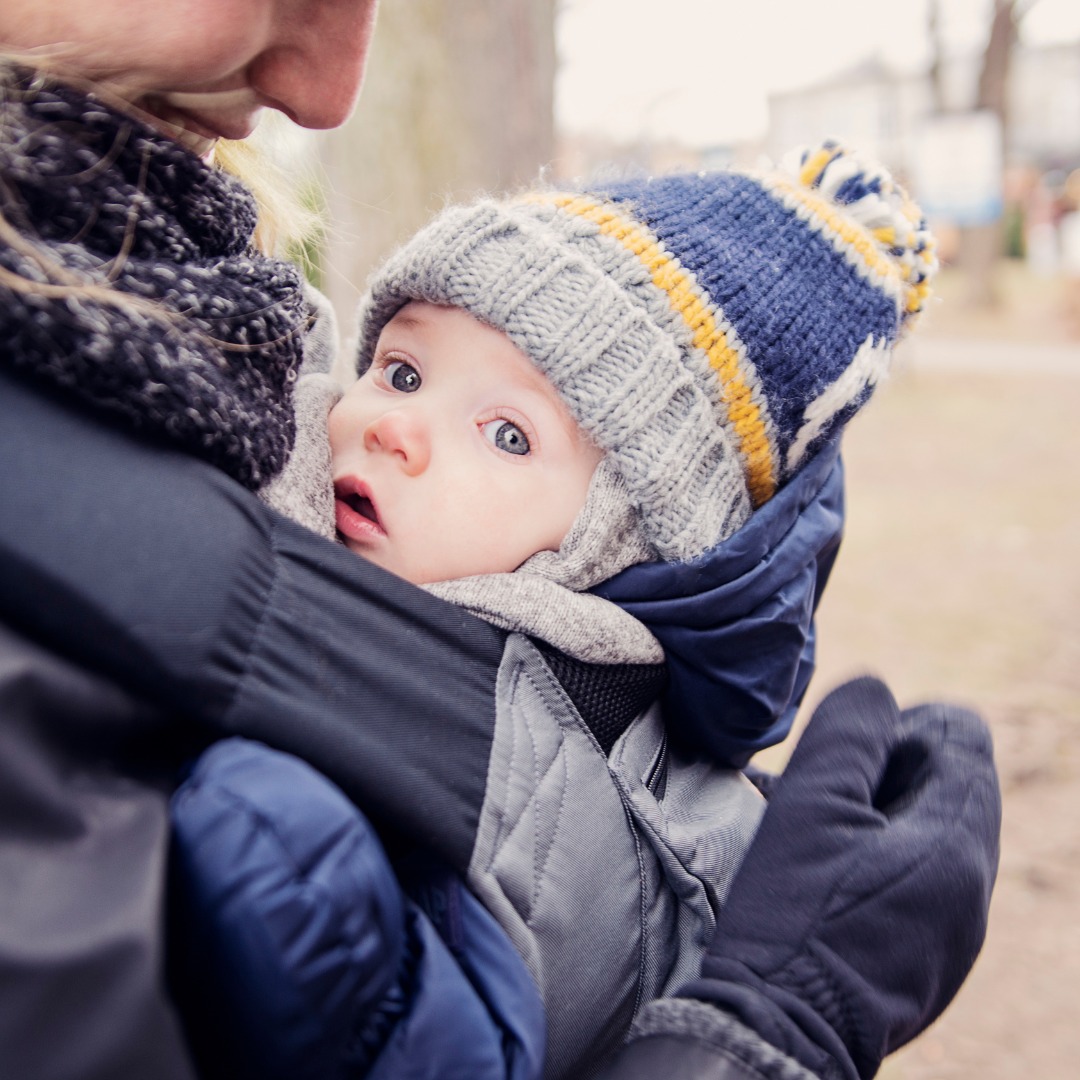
(453, 455)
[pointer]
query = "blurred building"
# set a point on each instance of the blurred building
(1045, 100)
(871, 106)
(881, 109)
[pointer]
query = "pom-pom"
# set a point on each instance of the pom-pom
(867, 194)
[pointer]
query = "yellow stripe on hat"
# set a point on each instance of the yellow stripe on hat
(744, 414)
(815, 165)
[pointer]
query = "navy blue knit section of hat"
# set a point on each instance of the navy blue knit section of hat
(800, 308)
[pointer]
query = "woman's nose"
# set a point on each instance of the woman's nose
(314, 68)
(404, 434)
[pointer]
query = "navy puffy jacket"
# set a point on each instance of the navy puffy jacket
(296, 953)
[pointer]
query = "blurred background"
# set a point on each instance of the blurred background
(960, 572)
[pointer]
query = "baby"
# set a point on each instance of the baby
(453, 456)
(607, 422)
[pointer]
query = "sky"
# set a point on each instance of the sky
(700, 71)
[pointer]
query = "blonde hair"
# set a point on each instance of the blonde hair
(285, 224)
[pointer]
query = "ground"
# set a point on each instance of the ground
(959, 578)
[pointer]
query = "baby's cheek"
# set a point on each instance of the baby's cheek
(336, 425)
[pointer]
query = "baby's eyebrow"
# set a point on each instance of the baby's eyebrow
(408, 320)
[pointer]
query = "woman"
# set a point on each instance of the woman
(150, 604)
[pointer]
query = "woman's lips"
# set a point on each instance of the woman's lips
(199, 129)
(182, 128)
(355, 513)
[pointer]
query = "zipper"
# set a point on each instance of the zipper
(656, 779)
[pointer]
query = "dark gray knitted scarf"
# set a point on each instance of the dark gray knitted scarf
(113, 202)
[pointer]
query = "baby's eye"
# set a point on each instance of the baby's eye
(401, 376)
(506, 436)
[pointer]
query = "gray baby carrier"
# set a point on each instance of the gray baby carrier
(605, 869)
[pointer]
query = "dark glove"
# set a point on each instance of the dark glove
(863, 901)
(294, 952)
(858, 910)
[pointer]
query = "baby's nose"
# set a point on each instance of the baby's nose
(404, 434)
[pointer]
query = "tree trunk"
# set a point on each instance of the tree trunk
(981, 245)
(992, 91)
(459, 99)
(937, 57)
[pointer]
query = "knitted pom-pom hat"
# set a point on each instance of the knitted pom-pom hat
(708, 330)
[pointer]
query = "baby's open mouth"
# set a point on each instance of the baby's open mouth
(362, 505)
